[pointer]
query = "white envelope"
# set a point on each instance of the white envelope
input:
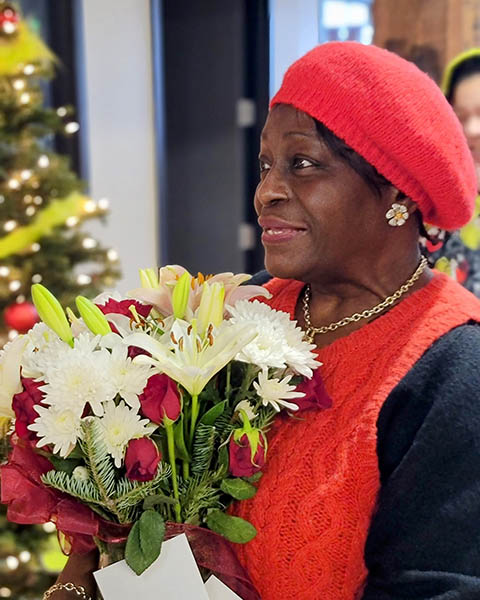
(174, 575)
(217, 590)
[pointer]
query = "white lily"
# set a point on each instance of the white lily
(10, 383)
(189, 359)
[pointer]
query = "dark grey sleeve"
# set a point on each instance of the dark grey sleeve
(424, 539)
(259, 278)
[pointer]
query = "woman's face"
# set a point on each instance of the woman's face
(466, 104)
(320, 219)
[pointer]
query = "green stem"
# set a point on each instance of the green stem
(228, 385)
(171, 456)
(246, 383)
(186, 469)
(193, 422)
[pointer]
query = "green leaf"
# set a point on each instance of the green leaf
(144, 541)
(223, 458)
(179, 437)
(67, 465)
(152, 501)
(235, 529)
(238, 488)
(212, 415)
(255, 477)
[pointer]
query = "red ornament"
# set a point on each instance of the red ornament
(21, 316)
(8, 19)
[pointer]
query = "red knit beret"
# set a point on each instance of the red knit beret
(395, 117)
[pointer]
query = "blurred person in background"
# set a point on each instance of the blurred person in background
(458, 254)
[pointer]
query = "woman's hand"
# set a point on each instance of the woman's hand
(78, 570)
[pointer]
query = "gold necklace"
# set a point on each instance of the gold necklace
(311, 331)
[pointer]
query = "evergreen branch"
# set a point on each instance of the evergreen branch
(130, 493)
(224, 426)
(197, 495)
(83, 490)
(99, 462)
(203, 448)
(265, 418)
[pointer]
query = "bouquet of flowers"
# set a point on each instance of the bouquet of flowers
(145, 417)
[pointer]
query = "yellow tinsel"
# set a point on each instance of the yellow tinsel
(23, 48)
(55, 215)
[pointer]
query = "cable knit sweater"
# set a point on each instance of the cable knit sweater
(317, 499)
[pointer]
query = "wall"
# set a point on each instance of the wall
(120, 128)
(293, 31)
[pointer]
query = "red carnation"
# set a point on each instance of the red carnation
(141, 459)
(160, 398)
(316, 395)
(242, 463)
(122, 307)
(23, 405)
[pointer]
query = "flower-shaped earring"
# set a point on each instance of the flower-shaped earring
(397, 215)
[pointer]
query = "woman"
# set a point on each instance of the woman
(461, 85)
(377, 497)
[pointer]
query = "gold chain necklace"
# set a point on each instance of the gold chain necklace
(311, 331)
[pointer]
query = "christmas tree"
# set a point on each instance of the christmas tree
(42, 208)
(42, 201)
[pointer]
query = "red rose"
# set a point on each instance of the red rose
(122, 307)
(141, 459)
(23, 405)
(159, 398)
(315, 394)
(241, 462)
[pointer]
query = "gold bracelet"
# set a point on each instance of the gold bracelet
(69, 587)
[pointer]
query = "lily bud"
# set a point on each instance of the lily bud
(149, 278)
(211, 306)
(51, 312)
(94, 319)
(180, 295)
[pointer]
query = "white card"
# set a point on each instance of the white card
(173, 575)
(217, 590)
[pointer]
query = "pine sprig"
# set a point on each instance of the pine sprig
(84, 490)
(99, 463)
(224, 426)
(203, 448)
(265, 418)
(131, 493)
(197, 495)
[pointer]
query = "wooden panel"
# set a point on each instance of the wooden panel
(428, 32)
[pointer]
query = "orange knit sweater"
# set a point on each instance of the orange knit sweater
(316, 497)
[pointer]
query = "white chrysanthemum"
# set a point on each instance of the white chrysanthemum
(276, 392)
(58, 426)
(121, 424)
(43, 349)
(128, 377)
(246, 406)
(279, 342)
(79, 377)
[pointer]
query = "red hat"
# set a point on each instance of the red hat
(395, 117)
